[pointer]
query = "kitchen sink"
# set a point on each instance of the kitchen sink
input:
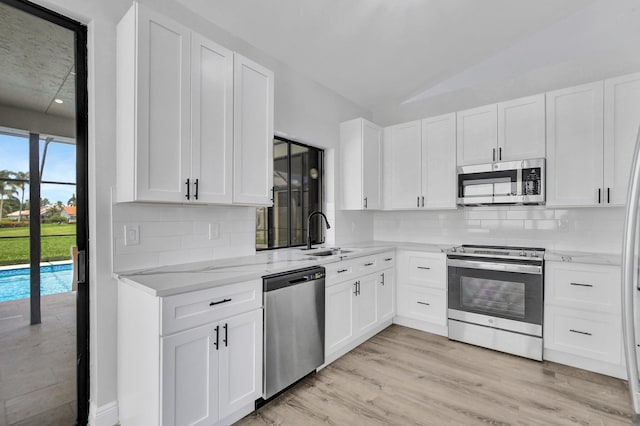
(329, 252)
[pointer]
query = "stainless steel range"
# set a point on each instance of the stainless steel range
(496, 298)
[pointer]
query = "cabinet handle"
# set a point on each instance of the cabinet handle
(342, 270)
(196, 185)
(365, 202)
(368, 264)
(424, 303)
(581, 285)
(608, 195)
(226, 335)
(388, 259)
(500, 153)
(217, 336)
(382, 276)
(493, 156)
(273, 194)
(358, 287)
(423, 201)
(418, 201)
(599, 196)
(219, 302)
(188, 183)
(423, 267)
(355, 288)
(580, 332)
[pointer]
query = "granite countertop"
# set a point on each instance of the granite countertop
(583, 257)
(176, 279)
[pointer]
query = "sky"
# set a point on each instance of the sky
(59, 165)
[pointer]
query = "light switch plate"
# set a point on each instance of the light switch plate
(131, 235)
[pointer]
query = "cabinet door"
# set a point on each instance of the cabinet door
(211, 121)
(621, 122)
(521, 128)
(338, 316)
(190, 377)
(575, 145)
(439, 161)
(253, 133)
(163, 111)
(406, 156)
(477, 135)
(372, 165)
(240, 361)
(365, 304)
(351, 164)
(386, 295)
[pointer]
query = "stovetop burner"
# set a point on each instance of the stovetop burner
(498, 251)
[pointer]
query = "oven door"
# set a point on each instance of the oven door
(499, 293)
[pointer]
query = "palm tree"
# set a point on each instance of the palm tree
(23, 178)
(72, 200)
(7, 187)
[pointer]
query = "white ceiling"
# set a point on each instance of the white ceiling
(377, 52)
(36, 64)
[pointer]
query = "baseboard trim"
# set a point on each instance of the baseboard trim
(105, 415)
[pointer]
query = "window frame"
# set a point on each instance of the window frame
(319, 233)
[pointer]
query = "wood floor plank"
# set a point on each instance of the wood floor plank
(406, 377)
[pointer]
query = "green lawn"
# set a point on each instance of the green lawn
(16, 250)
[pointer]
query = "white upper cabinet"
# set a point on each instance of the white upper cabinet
(439, 162)
(405, 165)
(477, 135)
(621, 122)
(575, 146)
(512, 130)
(421, 160)
(176, 114)
(253, 133)
(211, 121)
(521, 128)
(153, 73)
(361, 165)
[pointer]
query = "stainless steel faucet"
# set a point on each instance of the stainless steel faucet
(326, 221)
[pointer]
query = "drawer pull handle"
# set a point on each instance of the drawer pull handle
(388, 259)
(219, 302)
(424, 303)
(342, 270)
(580, 332)
(582, 285)
(368, 264)
(423, 267)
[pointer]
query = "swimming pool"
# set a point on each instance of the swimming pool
(15, 283)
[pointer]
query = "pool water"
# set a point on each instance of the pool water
(15, 283)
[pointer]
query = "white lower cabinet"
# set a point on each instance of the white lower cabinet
(207, 374)
(360, 306)
(582, 318)
(422, 291)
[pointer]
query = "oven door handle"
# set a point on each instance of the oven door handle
(496, 266)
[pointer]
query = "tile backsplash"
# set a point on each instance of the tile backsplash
(582, 229)
(171, 234)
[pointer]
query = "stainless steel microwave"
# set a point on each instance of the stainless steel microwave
(508, 182)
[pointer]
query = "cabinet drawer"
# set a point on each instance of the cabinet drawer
(590, 335)
(367, 265)
(387, 260)
(188, 310)
(582, 286)
(424, 304)
(338, 272)
(423, 269)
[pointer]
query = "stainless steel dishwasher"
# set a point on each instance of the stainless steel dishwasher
(293, 327)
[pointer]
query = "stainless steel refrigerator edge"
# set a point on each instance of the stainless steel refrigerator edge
(631, 281)
(293, 327)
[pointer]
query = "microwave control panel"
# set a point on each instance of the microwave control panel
(531, 181)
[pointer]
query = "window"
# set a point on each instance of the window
(297, 191)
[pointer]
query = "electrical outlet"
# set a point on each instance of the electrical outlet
(214, 231)
(131, 235)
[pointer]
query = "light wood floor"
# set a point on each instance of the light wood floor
(37, 363)
(406, 377)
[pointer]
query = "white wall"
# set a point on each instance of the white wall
(306, 111)
(581, 229)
